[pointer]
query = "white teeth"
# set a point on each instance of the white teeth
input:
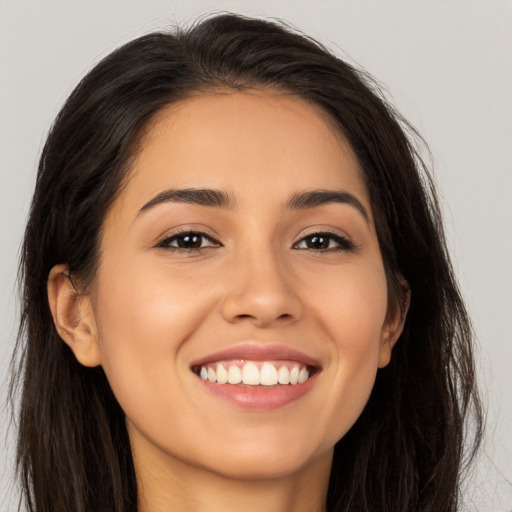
(234, 374)
(294, 375)
(303, 376)
(212, 376)
(283, 375)
(222, 374)
(268, 375)
(250, 374)
(255, 374)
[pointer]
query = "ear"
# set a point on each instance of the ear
(394, 323)
(73, 316)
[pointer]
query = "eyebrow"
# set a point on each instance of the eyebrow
(313, 198)
(221, 199)
(199, 196)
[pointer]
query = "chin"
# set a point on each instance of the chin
(266, 458)
(265, 466)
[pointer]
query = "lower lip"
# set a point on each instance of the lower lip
(259, 397)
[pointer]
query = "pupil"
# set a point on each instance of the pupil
(189, 241)
(318, 242)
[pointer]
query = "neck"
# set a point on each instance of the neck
(165, 484)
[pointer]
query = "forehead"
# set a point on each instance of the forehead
(247, 143)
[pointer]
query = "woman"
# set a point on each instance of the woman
(237, 292)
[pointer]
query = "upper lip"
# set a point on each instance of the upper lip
(258, 352)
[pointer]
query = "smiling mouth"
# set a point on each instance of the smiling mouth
(255, 373)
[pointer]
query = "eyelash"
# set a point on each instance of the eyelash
(342, 243)
(166, 243)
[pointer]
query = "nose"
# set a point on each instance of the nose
(261, 290)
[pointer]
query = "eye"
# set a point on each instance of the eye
(188, 241)
(324, 242)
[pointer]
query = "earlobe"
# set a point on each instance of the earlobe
(394, 325)
(73, 316)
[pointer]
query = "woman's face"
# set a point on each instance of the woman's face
(242, 247)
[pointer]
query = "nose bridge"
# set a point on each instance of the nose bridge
(261, 288)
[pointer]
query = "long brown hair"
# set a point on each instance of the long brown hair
(407, 450)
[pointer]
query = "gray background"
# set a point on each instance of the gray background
(446, 65)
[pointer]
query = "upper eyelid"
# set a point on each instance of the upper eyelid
(323, 231)
(327, 234)
(346, 243)
(188, 228)
(170, 236)
(215, 238)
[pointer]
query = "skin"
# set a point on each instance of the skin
(153, 310)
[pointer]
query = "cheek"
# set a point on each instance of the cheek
(358, 333)
(352, 305)
(353, 316)
(146, 303)
(143, 321)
